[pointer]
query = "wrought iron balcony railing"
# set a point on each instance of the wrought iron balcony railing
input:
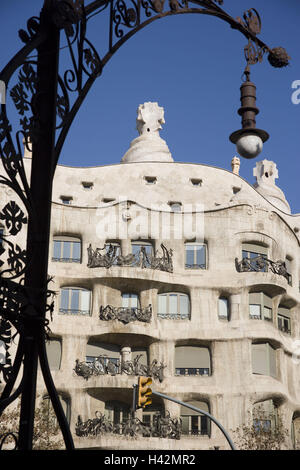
(66, 260)
(72, 311)
(262, 264)
(101, 257)
(174, 316)
(162, 426)
(125, 314)
(103, 365)
(192, 371)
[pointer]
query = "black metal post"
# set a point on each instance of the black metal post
(39, 225)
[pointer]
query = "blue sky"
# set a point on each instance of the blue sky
(192, 66)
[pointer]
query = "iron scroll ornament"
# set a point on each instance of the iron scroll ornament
(17, 264)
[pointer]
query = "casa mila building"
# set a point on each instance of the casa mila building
(182, 272)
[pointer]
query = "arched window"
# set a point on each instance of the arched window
(66, 249)
(75, 301)
(192, 360)
(260, 306)
(264, 359)
(194, 423)
(284, 319)
(53, 348)
(174, 306)
(195, 255)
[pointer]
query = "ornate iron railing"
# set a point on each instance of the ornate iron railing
(125, 314)
(192, 371)
(163, 426)
(102, 365)
(101, 257)
(262, 264)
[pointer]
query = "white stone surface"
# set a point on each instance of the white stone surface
(149, 146)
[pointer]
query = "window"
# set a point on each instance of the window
(53, 349)
(150, 179)
(152, 415)
(284, 319)
(107, 200)
(175, 206)
(194, 423)
(66, 405)
(223, 308)
(74, 300)
(192, 360)
(130, 301)
(260, 306)
(264, 416)
(174, 306)
(87, 185)
(295, 431)
(196, 182)
(195, 256)
(251, 252)
(66, 249)
(66, 199)
(264, 359)
(142, 251)
(110, 354)
(117, 412)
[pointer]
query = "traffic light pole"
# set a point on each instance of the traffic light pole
(194, 408)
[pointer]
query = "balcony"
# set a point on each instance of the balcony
(163, 427)
(103, 257)
(126, 314)
(102, 365)
(262, 264)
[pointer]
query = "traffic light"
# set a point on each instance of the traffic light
(144, 392)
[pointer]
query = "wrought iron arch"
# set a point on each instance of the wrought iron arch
(47, 103)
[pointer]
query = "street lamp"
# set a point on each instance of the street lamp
(249, 140)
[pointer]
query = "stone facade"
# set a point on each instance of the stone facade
(201, 234)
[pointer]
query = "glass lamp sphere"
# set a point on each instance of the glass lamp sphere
(249, 145)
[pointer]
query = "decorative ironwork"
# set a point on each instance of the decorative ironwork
(141, 259)
(261, 264)
(126, 315)
(163, 426)
(9, 441)
(102, 365)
